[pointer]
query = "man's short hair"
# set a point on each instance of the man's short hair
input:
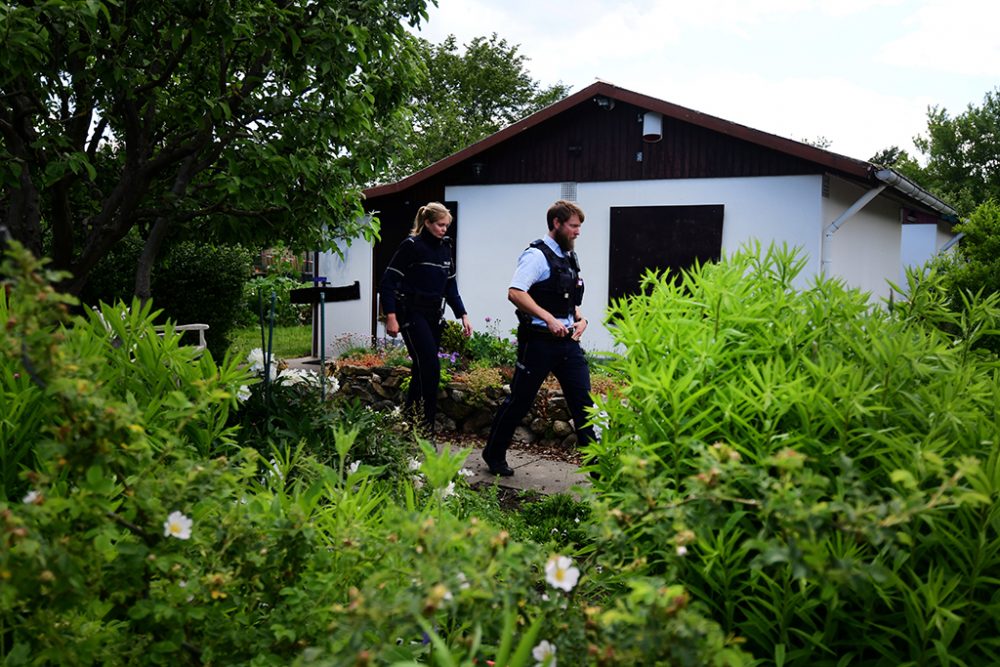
(562, 211)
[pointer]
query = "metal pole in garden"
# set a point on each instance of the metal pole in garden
(322, 344)
(267, 345)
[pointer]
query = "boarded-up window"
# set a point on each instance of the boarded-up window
(670, 238)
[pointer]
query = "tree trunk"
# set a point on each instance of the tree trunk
(150, 251)
(23, 217)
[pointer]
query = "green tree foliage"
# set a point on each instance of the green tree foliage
(224, 121)
(974, 266)
(820, 471)
(979, 250)
(896, 158)
(961, 155)
(468, 95)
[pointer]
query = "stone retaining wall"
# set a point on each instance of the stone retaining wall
(460, 409)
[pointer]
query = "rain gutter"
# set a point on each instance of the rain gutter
(890, 179)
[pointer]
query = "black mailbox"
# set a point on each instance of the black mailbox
(328, 294)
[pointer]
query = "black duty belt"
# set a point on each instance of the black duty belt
(536, 332)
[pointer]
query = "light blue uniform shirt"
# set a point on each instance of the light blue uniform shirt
(533, 268)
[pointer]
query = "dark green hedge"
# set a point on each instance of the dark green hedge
(191, 282)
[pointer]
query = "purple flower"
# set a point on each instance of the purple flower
(488, 318)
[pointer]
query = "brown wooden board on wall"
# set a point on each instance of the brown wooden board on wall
(666, 238)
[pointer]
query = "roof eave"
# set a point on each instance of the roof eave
(832, 161)
(901, 184)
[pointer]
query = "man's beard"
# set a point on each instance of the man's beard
(564, 241)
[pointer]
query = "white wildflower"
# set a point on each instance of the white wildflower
(465, 472)
(353, 468)
(545, 654)
(600, 422)
(31, 498)
(293, 376)
(682, 550)
(177, 525)
(448, 490)
(560, 573)
(243, 394)
(414, 464)
(256, 361)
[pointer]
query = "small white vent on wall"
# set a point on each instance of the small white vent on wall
(568, 192)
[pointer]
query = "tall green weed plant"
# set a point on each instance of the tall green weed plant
(820, 471)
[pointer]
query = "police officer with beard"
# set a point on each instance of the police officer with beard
(547, 291)
(419, 280)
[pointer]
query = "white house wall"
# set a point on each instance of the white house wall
(499, 221)
(348, 323)
(866, 249)
(920, 243)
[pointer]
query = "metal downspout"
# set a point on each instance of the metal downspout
(947, 246)
(826, 251)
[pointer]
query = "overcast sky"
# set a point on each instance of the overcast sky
(860, 73)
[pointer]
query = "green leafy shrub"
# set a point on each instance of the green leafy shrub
(974, 266)
(479, 381)
(191, 282)
(558, 520)
(203, 283)
(294, 414)
(482, 348)
(822, 473)
(489, 348)
(117, 352)
(453, 338)
(257, 299)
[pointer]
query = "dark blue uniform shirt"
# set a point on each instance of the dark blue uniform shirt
(421, 272)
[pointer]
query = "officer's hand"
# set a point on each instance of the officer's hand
(557, 328)
(466, 326)
(391, 325)
(578, 329)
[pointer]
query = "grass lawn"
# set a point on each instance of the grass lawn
(288, 342)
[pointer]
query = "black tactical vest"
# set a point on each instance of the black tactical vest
(562, 291)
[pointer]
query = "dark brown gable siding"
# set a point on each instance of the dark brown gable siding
(586, 144)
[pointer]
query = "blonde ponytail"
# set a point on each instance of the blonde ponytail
(429, 213)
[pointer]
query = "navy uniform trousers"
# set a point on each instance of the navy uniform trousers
(422, 334)
(537, 356)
